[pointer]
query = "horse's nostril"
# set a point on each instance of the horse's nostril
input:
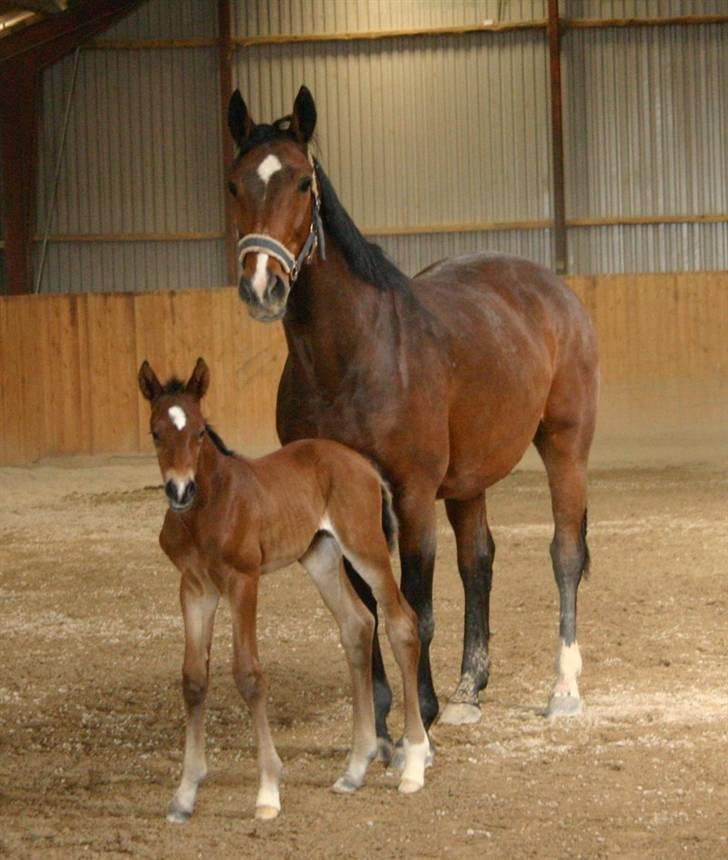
(189, 493)
(276, 292)
(245, 290)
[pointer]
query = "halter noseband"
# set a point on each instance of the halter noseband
(261, 243)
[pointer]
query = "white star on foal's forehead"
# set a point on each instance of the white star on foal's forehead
(177, 414)
(268, 166)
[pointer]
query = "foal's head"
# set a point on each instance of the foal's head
(178, 428)
(273, 184)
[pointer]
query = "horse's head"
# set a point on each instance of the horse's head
(273, 183)
(178, 428)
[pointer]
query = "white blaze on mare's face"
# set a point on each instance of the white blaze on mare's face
(267, 167)
(260, 278)
(178, 417)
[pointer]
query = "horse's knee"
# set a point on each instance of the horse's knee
(194, 689)
(251, 683)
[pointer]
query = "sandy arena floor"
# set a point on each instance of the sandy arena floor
(91, 720)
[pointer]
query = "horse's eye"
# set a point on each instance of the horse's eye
(232, 188)
(155, 436)
(304, 184)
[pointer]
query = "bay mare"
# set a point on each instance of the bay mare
(443, 380)
(230, 520)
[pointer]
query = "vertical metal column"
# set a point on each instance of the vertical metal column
(557, 140)
(225, 52)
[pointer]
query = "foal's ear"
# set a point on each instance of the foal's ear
(303, 118)
(149, 385)
(240, 122)
(200, 379)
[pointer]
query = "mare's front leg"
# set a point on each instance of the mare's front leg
(199, 599)
(253, 687)
(476, 550)
(356, 626)
(417, 543)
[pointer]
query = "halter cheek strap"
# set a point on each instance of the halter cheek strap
(260, 243)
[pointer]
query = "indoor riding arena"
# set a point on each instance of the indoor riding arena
(587, 137)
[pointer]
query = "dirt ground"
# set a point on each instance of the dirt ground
(91, 720)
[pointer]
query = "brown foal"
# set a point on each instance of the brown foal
(230, 520)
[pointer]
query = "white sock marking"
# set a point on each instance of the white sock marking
(177, 414)
(267, 167)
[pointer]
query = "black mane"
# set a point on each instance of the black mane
(174, 386)
(218, 443)
(366, 259)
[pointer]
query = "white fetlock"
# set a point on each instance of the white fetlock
(413, 775)
(565, 700)
(268, 803)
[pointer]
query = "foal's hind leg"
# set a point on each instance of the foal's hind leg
(476, 551)
(564, 456)
(356, 626)
(199, 602)
(382, 690)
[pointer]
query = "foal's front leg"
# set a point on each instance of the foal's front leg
(253, 687)
(199, 601)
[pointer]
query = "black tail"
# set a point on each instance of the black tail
(389, 518)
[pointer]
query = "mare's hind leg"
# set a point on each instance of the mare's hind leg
(199, 601)
(564, 454)
(476, 551)
(382, 690)
(356, 626)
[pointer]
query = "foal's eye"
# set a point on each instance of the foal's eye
(304, 184)
(155, 436)
(233, 188)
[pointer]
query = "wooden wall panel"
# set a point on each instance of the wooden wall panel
(68, 363)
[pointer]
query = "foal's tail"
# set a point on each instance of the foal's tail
(389, 518)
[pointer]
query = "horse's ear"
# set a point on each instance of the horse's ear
(199, 381)
(240, 122)
(303, 119)
(149, 385)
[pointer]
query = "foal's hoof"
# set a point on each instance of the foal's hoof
(409, 786)
(266, 813)
(564, 706)
(177, 815)
(461, 714)
(345, 785)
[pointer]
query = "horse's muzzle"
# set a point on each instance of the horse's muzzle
(271, 307)
(180, 501)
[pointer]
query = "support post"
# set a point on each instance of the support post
(225, 53)
(557, 140)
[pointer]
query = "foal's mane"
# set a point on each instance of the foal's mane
(174, 385)
(366, 259)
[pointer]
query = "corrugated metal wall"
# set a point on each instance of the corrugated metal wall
(437, 134)
(646, 123)
(142, 156)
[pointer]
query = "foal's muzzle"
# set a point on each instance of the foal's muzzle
(180, 498)
(271, 305)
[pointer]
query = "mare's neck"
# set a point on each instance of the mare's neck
(338, 321)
